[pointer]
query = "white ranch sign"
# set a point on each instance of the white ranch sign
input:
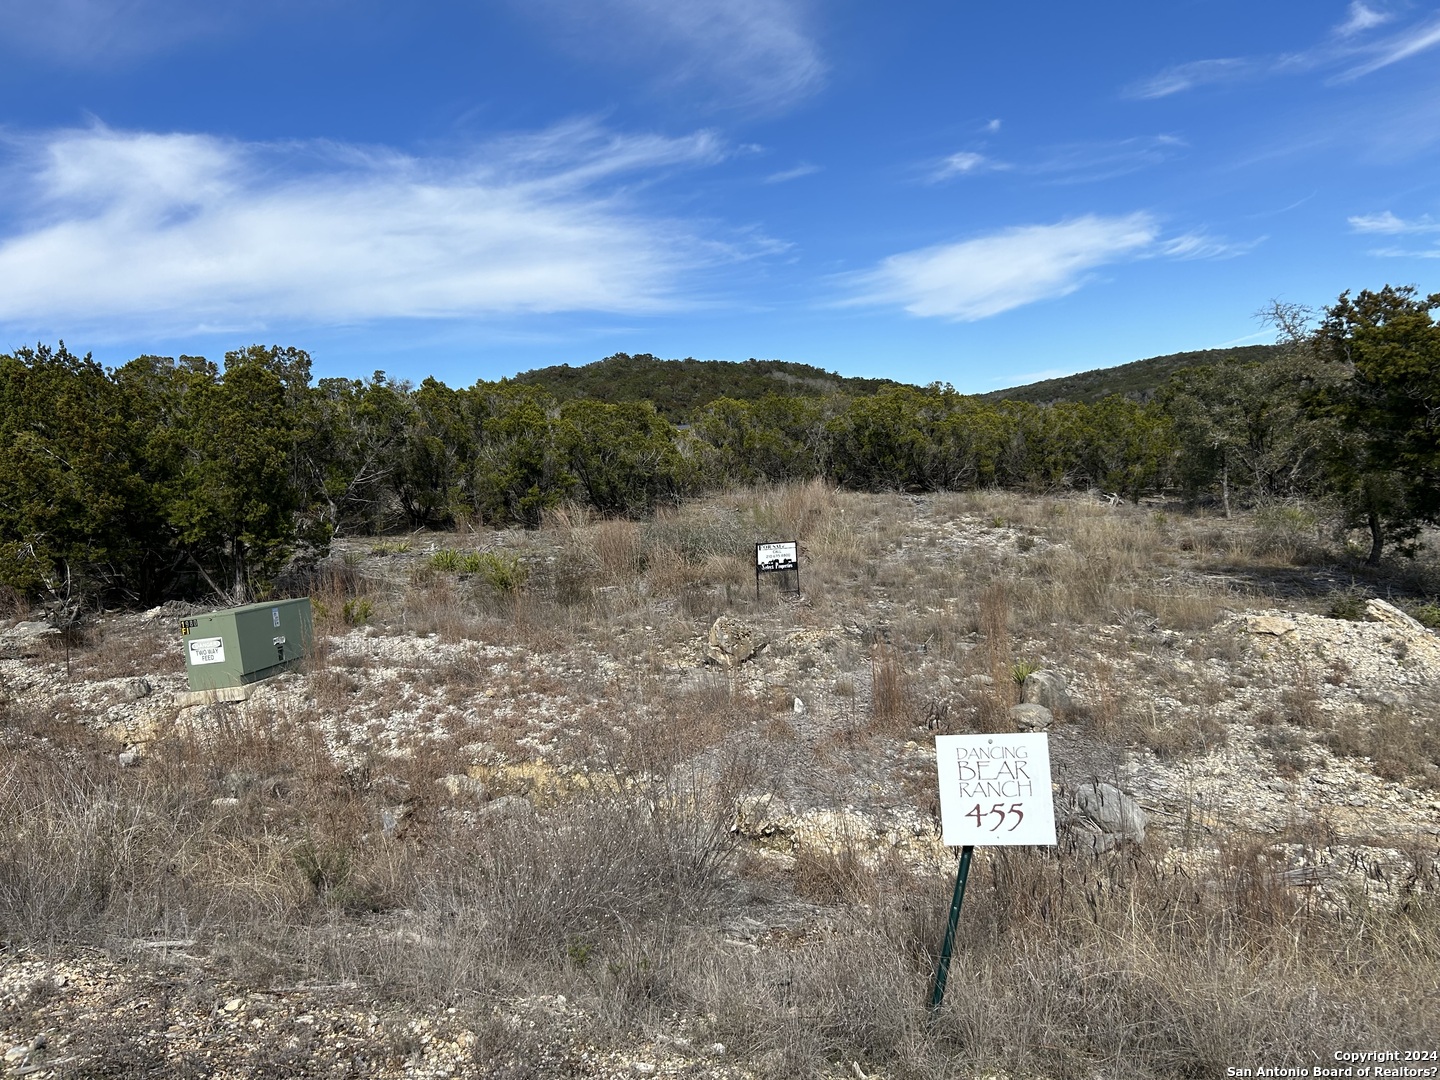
(995, 789)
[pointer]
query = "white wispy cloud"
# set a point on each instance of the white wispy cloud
(1105, 160)
(1406, 253)
(1349, 47)
(1201, 245)
(986, 275)
(105, 32)
(975, 278)
(1387, 223)
(963, 163)
(177, 230)
(1180, 77)
(1069, 163)
(753, 54)
(1410, 42)
(1360, 18)
(786, 175)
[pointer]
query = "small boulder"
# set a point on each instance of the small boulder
(731, 642)
(137, 688)
(1385, 699)
(26, 640)
(752, 815)
(390, 820)
(1045, 688)
(1030, 717)
(1380, 611)
(1113, 812)
(1274, 625)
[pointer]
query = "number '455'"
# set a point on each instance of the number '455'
(999, 813)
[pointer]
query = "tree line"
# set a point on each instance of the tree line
(166, 475)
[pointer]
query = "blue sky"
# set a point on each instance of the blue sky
(977, 194)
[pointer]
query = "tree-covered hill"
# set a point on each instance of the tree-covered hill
(1137, 380)
(679, 387)
(128, 483)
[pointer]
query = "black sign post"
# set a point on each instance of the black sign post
(943, 972)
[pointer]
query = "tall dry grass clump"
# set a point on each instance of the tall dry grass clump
(618, 548)
(1103, 566)
(892, 704)
(795, 511)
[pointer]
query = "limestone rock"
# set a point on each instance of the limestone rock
(1115, 814)
(1045, 688)
(390, 819)
(731, 642)
(1275, 625)
(758, 816)
(1386, 699)
(137, 688)
(1031, 717)
(26, 640)
(1380, 611)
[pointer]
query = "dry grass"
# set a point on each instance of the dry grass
(1399, 746)
(892, 706)
(247, 836)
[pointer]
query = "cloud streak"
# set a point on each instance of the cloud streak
(976, 278)
(1406, 253)
(751, 54)
(963, 163)
(1388, 224)
(1393, 50)
(148, 231)
(1071, 163)
(1347, 45)
(1181, 77)
(1361, 18)
(90, 32)
(784, 176)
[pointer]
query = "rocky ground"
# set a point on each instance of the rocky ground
(1259, 715)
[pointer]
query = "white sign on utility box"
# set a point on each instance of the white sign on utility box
(207, 650)
(995, 789)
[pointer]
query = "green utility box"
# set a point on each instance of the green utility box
(245, 644)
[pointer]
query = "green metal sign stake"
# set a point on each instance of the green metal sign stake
(945, 950)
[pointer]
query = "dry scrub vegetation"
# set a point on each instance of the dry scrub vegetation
(511, 775)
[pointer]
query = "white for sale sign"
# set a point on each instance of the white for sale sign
(784, 556)
(995, 789)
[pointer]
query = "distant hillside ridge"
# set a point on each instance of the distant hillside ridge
(679, 387)
(1137, 380)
